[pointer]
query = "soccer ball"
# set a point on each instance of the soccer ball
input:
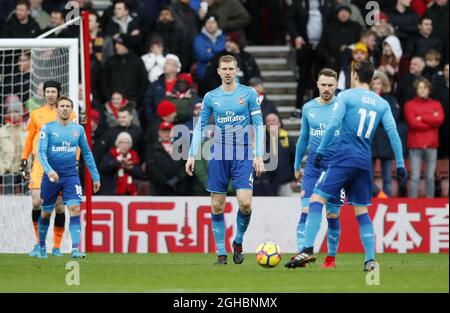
(268, 254)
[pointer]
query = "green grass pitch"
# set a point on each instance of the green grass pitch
(195, 273)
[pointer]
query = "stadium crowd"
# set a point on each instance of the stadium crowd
(152, 61)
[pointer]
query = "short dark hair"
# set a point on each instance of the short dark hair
(126, 108)
(425, 81)
(24, 2)
(92, 12)
(60, 12)
(125, 3)
(327, 72)
(423, 18)
(64, 98)
(364, 70)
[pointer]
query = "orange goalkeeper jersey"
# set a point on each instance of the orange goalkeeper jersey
(39, 118)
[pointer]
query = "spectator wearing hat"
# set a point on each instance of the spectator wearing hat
(390, 58)
(424, 117)
(420, 6)
(404, 21)
(165, 169)
(175, 38)
(184, 97)
(112, 108)
(337, 36)
(161, 88)
(166, 112)
(12, 136)
(438, 13)
(125, 71)
(123, 23)
(383, 30)
(267, 106)
(424, 41)
(210, 41)
(120, 168)
(355, 13)
(245, 62)
(125, 124)
(232, 15)
(154, 60)
(359, 53)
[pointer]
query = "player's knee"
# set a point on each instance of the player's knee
(317, 198)
(36, 202)
(46, 215)
(59, 208)
(217, 207)
(332, 215)
(74, 210)
(245, 207)
(359, 210)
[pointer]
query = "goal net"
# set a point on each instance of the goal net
(25, 64)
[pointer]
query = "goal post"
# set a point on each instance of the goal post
(25, 64)
(37, 47)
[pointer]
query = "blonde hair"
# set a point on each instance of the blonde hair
(385, 83)
(227, 59)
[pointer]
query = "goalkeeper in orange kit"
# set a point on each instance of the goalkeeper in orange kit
(38, 118)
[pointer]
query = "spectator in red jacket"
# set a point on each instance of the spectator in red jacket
(424, 116)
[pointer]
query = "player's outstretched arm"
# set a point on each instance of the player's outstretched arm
(89, 159)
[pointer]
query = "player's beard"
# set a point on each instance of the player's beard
(326, 97)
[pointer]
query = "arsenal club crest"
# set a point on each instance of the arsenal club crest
(241, 101)
(302, 194)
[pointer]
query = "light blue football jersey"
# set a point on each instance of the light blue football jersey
(235, 113)
(57, 149)
(358, 112)
(315, 117)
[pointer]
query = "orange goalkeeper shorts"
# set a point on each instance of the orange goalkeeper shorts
(36, 175)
